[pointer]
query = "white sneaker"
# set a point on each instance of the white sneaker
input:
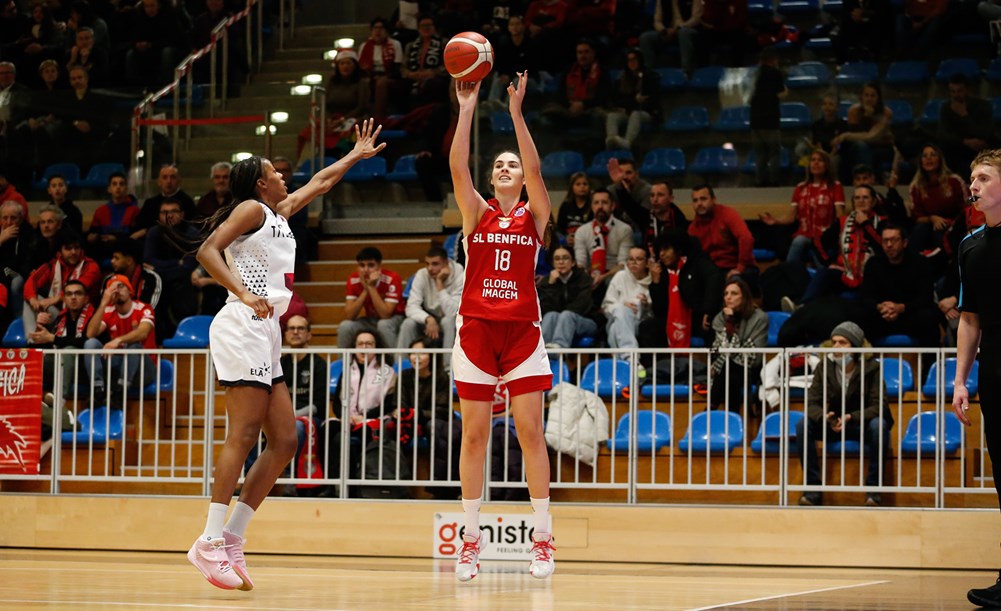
(543, 564)
(788, 305)
(468, 565)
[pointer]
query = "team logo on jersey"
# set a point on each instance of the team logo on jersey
(504, 221)
(519, 212)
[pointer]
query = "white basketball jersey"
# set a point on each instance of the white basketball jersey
(265, 261)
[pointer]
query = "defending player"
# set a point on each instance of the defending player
(245, 343)
(498, 333)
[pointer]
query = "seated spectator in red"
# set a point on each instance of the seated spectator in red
(380, 59)
(113, 220)
(67, 330)
(43, 291)
(129, 325)
(939, 198)
(582, 93)
(220, 196)
(374, 299)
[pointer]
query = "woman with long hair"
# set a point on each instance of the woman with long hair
(498, 334)
(939, 196)
(816, 204)
(635, 102)
(245, 344)
(576, 207)
(869, 139)
(740, 324)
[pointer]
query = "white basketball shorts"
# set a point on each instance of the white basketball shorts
(245, 349)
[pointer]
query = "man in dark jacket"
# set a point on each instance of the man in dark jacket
(565, 297)
(835, 401)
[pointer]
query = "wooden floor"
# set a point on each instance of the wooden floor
(82, 580)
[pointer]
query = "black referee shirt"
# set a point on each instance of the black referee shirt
(980, 282)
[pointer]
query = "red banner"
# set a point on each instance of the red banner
(20, 411)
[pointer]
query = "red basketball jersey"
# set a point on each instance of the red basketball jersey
(500, 266)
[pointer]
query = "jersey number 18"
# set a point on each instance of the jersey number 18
(502, 260)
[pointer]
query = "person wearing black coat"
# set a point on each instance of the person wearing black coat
(565, 298)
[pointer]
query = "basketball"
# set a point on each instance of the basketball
(469, 57)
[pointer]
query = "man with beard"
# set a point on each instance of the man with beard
(169, 249)
(601, 246)
(130, 325)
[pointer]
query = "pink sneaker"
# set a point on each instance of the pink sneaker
(543, 564)
(234, 551)
(210, 558)
(468, 565)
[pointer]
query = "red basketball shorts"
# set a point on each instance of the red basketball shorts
(488, 350)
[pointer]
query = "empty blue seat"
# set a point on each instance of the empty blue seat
(993, 72)
(733, 119)
(931, 112)
(775, 322)
(922, 433)
(336, 369)
(192, 332)
(599, 163)
(759, 7)
(706, 78)
(69, 171)
(100, 173)
(166, 382)
(808, 74)
(404, 170)
(501, 123)
(366, 170)
(561, 164)
(833, 7)
(751, 163)
(903, 113)
(671, 79)
(897, 376)
(907, 73)
(653, 432)
(451, 245)
(931, 382)
(99, 424)
(967, 66)
(715, 160)
(717, 431)
(306, 170)
(560, 374)
(698, 342)
(663, 391)
(857, 73)
(688, 119)
(819, 43)
(769, 436)
(798, 7)
(402, 365)
(606, 377)
(406, 288)
(764, 255)
(14, 337)
(895, 341)
(663, 162)
(583, 341)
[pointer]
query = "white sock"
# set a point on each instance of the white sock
(542, 521)
(471, 507)
(215, 520)
(239, 519)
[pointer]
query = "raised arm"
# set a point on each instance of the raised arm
(325, 179)
(471, 204)
(248, 216)
(531, 165)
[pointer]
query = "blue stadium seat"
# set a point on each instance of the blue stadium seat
(15, 337)
(993, 72)
(903, 113)
(336, 369)
(717, 430)
(661, 162)
(770, 432)
(366, 170)
(798, 7)
(805, 75)
(819, 43)
(404, 170)
(671, 79)
(99, 424)
(733, 119)
(833, 7)
(402, 365)
(775, 322)
(907, 73)
(653, 432)
(895, 341)
(561, 164)
(856, 73)
(897, 376)
(764, 255)
(606, 377)
(751, 163)
(166, 384)
(931, 382)
(834, 446)
(922, 433)
(663, 391)
(714, 160)
(560, 374)
(706, 78)
(996, 103)
(501, 123)
(305, 171)
(406, 288)
(932, 109)
(69, 171)
(698, 342)
(583, 341)
(100, 173)
(795, 115)
(192, 332)
(760, 7)
(599, 163)
(967, 66)
(451, 245)
(688, 119)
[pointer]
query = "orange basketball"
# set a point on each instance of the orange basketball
(469, 57)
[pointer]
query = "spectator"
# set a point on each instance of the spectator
(630, 192)
(582, 92)
(673, 21)
(306, 244)
(592, 18)
(38, 133)
(919, 27)
(158, 44)
(499, 14)
(147, 286)
(219, 196)
(59, 197)
(817, 203)
(635, 102)
(824, 130)
(423, 70)
(545, 20)
(891, 205)
(869, 139)
(82, 16)
(602, 245)
(129, 325)
(724, 236)
(113, 220)
(169, 183)
(202, 26)
(9, 193)
(348, 90)
(965, 124)
(434, 300)
(43, 40)
(565, 299)
(50, 221)
(740, 324)
(938, 197)
(848, 399)
(16, 242)
(83, 119)
(309, 379)
(14, 104)
(665, 215)
(575, 209)
(769, 88)
(627, 301)
(864, 30)
(67, 330)
(89, 57)
(725, 27)
(404, 19)
(380, 59)
(43, 290)
(374, 299)
(897, 292)
(513, 53)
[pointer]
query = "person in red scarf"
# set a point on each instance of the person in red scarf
(43, 291)
(380, 59)
(582, 93)
(67, 330)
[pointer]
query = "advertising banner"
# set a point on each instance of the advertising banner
(506, 536)
(20, 411)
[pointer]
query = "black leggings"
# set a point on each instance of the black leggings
(990, 394)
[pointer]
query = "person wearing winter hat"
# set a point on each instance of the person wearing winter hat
(849, 408)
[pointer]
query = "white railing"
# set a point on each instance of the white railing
(170, 424)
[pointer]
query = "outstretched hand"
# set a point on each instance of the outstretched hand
(515, 94)
(467, 93)
(366, 136)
